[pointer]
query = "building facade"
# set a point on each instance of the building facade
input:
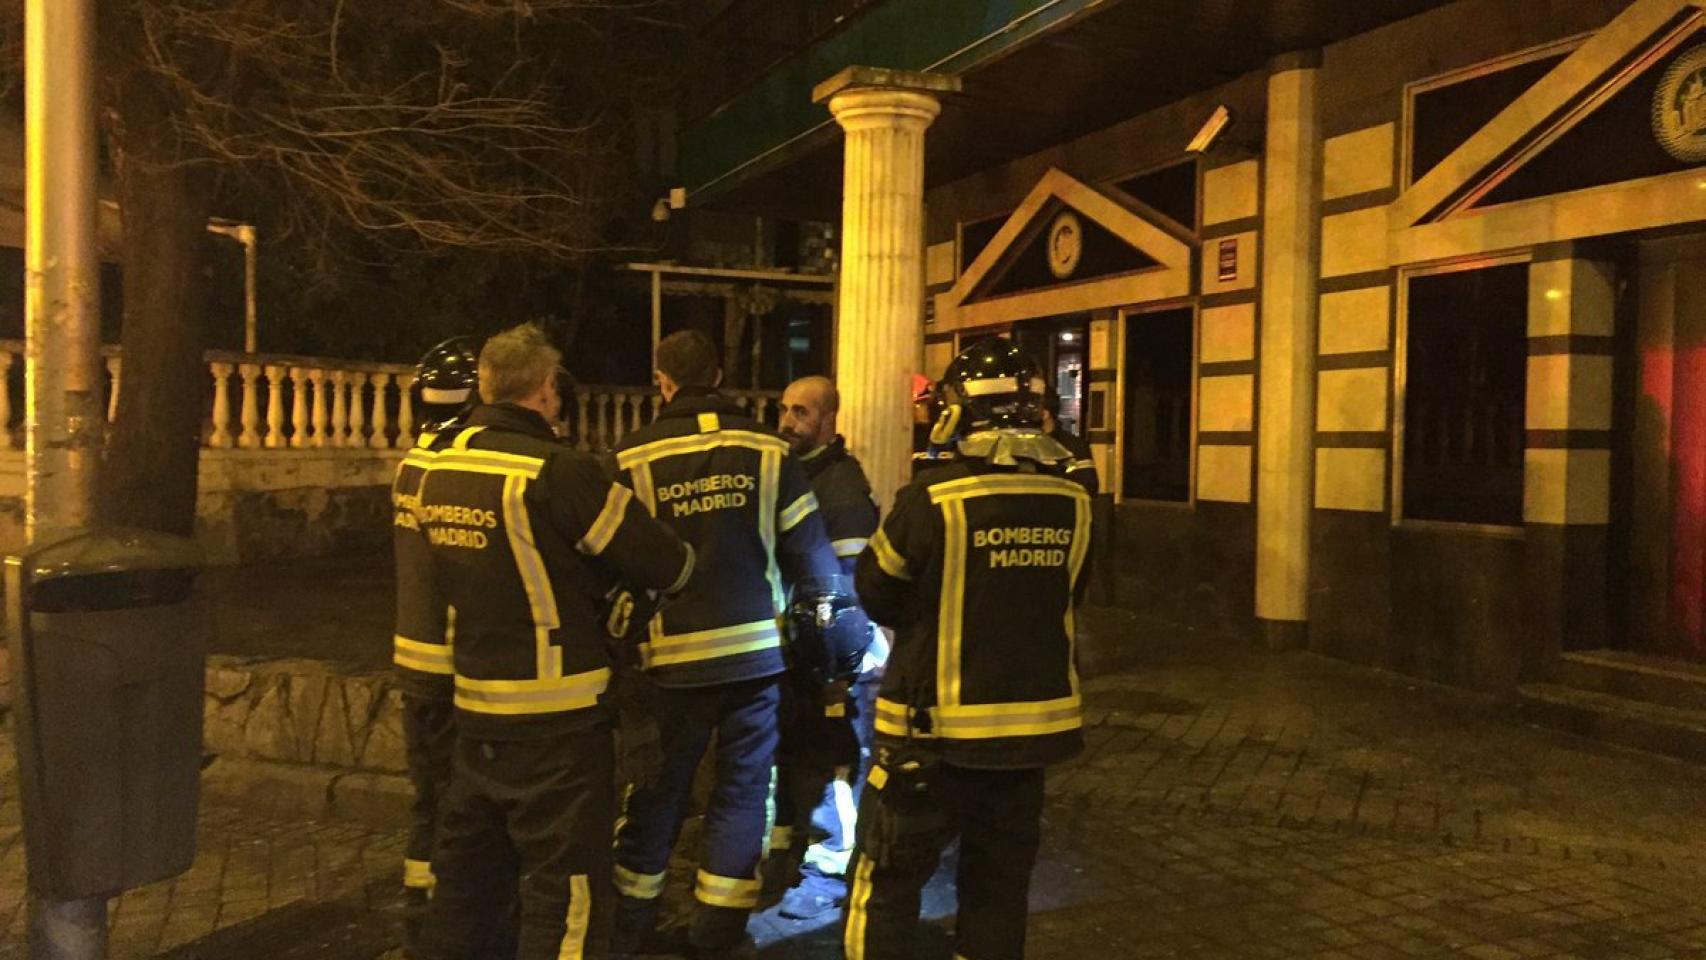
(1388, 328)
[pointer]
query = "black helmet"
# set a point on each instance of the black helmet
(991, 385)
(828, 633)
(448, 377)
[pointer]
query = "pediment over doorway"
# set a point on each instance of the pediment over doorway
(1070, 247)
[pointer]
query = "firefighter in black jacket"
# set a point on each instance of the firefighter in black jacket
(728, 487)
(977, 567)
(1082, 466)
(826, 728)
(446, 378)
(525, 534)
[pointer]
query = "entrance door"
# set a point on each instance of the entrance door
(1060, 344)
(1668, 464)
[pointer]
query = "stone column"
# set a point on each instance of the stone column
(1291, 266)
(1572, 306)
(881, 299)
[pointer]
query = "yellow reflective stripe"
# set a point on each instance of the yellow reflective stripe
(894, 719)
(781, 838)
(1074, 566)
(486, 461)
(858, 907)
(798, 510)
(578, 919)
(878, 777)
(643, 487)
(1015, 483)
(417, 458)
(535, 580)
(769, 489)
(426, 438)
(518, 697)
(725, 891)
(422, 657)
(640, 886)
(950, 613)
(849, 546)
(417, 874)
(604, 527)
(1025, 719)
(698, 443)
(686, 570)
(666, 650)
(1076, 465)
(888, 557)
(708, 423)
(463, 436)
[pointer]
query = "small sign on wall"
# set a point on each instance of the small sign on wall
(1228, 260)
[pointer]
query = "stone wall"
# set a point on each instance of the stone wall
(305, 737)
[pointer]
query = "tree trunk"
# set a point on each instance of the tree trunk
(155, 445)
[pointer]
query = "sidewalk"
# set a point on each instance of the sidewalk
(1233, 803)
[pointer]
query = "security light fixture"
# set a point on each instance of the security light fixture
(1217, 122)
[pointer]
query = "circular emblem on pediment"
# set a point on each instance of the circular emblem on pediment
(1065, 244)
(1679, 107)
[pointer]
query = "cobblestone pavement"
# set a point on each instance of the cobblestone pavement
(1232, 804)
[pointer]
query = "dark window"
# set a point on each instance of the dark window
(1157, 422)
(1466, 374)
(1170, 190)
(1444, 117)
(975, 236)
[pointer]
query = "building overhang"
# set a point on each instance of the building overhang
(1035, 73)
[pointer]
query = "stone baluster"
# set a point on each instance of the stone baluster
(275, 407)
(604, 431)
(619, 417)
(115, 370)
(250, 437)
(583, 436)
(381, 424)
(340, 408)
(298, 408)
(6, 360)
(761, 408)
(357, 418)
(657, 404)
(221, 437)
(405, 410)
(318, 378)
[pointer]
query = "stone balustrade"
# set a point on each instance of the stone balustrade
(278, 402)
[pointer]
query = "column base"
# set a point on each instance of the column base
(1279, 635)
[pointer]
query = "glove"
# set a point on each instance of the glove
(639, 743)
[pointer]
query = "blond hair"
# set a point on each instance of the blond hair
(516, 363)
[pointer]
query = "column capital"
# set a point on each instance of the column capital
(874, 96)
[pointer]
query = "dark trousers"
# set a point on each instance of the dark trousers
(996, 814)
(537, 809)
(429, 737)
(822, 767)
(743, 718)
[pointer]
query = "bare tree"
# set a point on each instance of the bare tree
(424, 125)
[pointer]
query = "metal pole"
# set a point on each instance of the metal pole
(64, 411)
(657, 314)
(246, 233)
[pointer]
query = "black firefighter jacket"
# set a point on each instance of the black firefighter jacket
(727, 485)
(524, 536)
(978, 569)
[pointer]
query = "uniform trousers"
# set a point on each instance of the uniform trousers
(742, 718)
(538, 810)
(996, 814)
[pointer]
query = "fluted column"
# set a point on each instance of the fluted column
(884, 114)
(7, 358)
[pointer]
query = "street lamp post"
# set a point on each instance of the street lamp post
(65, 413)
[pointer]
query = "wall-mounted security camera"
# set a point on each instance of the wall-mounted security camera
(1217, 123)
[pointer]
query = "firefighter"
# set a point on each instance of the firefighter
(826, 731)
(727, 485)
(977, 567)
(524, 535)
(1082, 466)
(446, 378)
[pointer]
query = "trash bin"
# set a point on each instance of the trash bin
(108, 646)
